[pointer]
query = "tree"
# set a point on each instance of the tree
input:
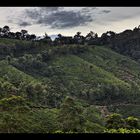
(79, 39)
(32, 37)
(115, 121)
(46, 39)
(6, 29)
(24, 34)
(91, 38)
(18, 35)
(90, 35)
(107, 37)
(11, 35)
(77, 36)
(70, 116)
(59, 36)
(132, 122)
(58, 40)
(96, 35)
(27, 37)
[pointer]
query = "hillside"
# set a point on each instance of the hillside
(38, 79)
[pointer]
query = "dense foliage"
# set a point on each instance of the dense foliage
(68, 85)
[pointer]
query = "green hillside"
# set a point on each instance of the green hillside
(37, 83)
(86, 80)
(121, 66)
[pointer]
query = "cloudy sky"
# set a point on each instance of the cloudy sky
(69, 20)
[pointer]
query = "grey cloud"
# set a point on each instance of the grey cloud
(64, 19)
(59, 17)
(56, 17)
(39, 12)
(32, 13)
(24, 24)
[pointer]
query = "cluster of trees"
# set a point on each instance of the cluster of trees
(6, 89)
(116, 123)
(20, 116)
(40, 60)
(126, 42)
(71, 117)
(37, 93)
(90, 38)
(39, 64)
(17, 103)
(60, 40)
(22, 35)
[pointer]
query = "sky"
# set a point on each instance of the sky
(69, 20)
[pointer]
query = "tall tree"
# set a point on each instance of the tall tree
(47, 39)
(79, 39)
(24, 34)
(70, 116)
(18, 35)
(5, 31)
